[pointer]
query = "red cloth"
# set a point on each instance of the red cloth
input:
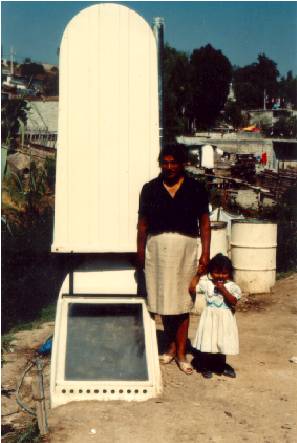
(263, 158)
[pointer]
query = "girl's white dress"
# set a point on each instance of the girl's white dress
(217, 331)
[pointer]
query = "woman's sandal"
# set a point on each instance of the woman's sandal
(185, 366)
(165, 359)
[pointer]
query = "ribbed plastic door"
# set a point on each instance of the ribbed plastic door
(108, 129)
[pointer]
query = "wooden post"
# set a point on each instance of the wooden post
(38, 396)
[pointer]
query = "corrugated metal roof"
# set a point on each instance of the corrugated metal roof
(42, 115)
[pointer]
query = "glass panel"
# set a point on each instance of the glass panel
(105, 342)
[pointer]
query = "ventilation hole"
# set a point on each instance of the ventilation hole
(128, 391)
(121, 391)
(96, 391)
(104, 391)
(63, 391)
(71, 391)
(144, 391)
(88, 391)
(80, 391)
(136, 391)
(112, 391)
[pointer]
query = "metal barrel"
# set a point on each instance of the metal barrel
(219, 241)
(253, 254)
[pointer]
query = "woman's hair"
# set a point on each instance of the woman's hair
(178, 152)
(219, 262)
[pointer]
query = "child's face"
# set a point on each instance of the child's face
(220, 275)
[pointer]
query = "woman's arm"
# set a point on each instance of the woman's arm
(205, 233)
(142, 230)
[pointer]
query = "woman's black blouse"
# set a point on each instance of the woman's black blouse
(173, 214)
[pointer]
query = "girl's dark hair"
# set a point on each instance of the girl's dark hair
(178, 152)
(220, 261)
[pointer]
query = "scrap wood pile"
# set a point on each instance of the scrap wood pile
(277, 182)
(245, 167)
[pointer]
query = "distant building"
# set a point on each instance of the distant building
(285, 153)
(49, 67)
(10, 82)
(42, 122)
(269, 116)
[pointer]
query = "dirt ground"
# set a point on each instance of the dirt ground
(260, 405)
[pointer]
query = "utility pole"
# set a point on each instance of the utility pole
(11, 61)
(158, 29)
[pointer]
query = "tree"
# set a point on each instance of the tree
(211, 74)
(12, 112)
(288, 89)
(176, 90)
(51, 83)
(233, 115)
(253, 81)
(31, 70)
(285, 127)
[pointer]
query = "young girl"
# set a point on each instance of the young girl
(217, 334)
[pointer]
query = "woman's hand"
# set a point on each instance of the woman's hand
(203, 263)
(193, 284)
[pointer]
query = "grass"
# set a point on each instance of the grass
(281, 275)
(47, 314)
(29, 434)
(5, 343)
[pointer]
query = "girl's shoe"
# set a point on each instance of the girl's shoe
(206, 373)
(229, 372)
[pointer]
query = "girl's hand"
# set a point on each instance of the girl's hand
(220, 286)
(193, 284)
(231, 300)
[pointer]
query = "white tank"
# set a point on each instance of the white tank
(219, 240)
(253, 254)
(108, 145)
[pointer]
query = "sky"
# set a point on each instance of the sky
(241, 30)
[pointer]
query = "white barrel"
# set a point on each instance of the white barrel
(219, 241)
(253, 254)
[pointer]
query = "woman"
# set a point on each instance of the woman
(170, 207)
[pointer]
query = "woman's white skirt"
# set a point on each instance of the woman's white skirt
(217, 332)
(170, 264)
